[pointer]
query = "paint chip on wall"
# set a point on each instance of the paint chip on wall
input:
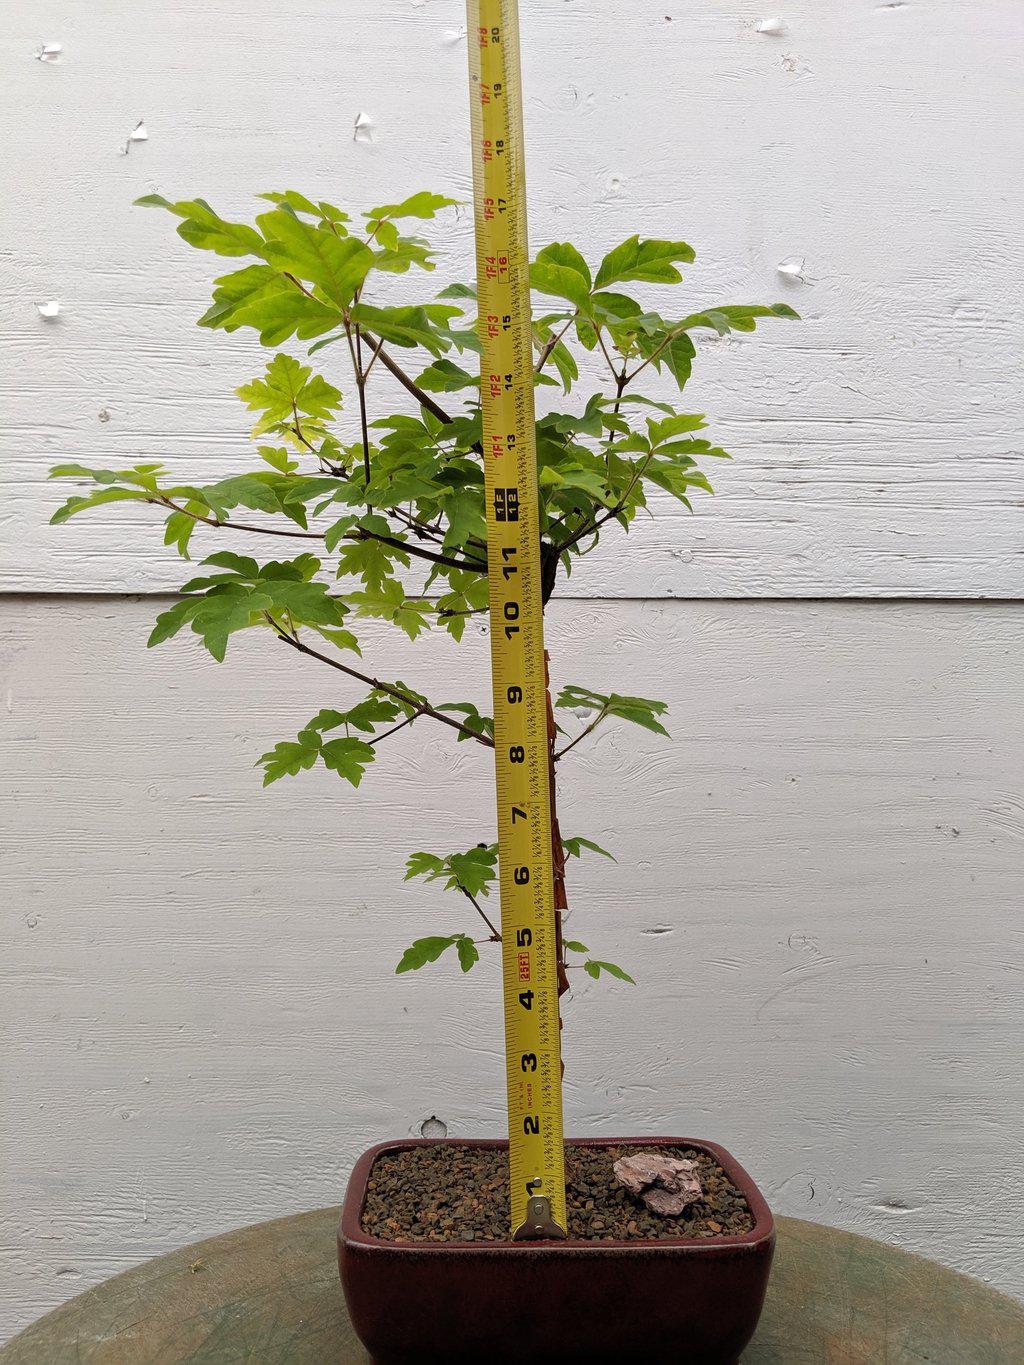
(363, 128)
(792, 268)
(138, 134)
(774, 26)
(49, 310)
(50, 52)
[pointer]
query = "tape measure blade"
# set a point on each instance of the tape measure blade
(529, 965)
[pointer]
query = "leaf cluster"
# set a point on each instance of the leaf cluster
(378, 491)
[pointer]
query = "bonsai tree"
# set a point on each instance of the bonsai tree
(406, 497)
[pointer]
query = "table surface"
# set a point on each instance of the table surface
(270, 1293)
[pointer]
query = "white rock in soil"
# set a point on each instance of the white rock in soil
(666, 1184)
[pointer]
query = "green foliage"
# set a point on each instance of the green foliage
(651, 261)
(594, 968)
(639, 710)
(574, 848)
(384, 495)
(294, 403)
(471, 872)
(281, 595)
(349, 758)
(424, 950)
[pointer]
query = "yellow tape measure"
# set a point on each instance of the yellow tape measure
(529, 948)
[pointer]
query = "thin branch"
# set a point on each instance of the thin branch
(417, 551)
(598, 522)
(299, 285)
(393, 731)
(620, 384)
(220, 522)
(495, 935)
(419, 394)
(582, 735)
(618, 375)
(421, 708)
(357, 359)
(552, 342)
(376, 353)
(670, 337)
(604, 352)
(421, 528)
(392, 365)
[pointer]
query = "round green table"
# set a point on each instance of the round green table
(270, 1294)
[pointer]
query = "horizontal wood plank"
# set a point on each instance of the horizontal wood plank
(877, 443)
(818, 892)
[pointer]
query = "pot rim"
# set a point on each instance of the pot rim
(763, 1230)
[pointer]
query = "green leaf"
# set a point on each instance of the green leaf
(100, 498)
(471, 718)
(260, 297)
(421, 205)
(307, 603)
(560, 270)
(649, 260)
(675, 425)
(286, 386)
(471, 872)
(203, 228)
(402, 253)
(242, 565)
(572, 946)
(278, 458)
(424, 950)
(179, 529)
(224, 611)
(445, 377)
(565, 363)
(468, 596)
(389, 603)
(288, 759)
(574, 847)
(468, 953)
(740, 317)
(373, 562)
(674, 353)
(458, 291)
(169, 622)
(409, 702)
(423, 865)
(337, 266)
(243, 490)
(640, 710)
(349, 758)
(594, 968)
(406, 326)
(299, 203)
(142, 476)
(341, 639)
(589, 423)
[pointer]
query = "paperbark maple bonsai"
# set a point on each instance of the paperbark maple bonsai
(407, 493)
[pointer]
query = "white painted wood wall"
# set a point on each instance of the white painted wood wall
(200, 1027)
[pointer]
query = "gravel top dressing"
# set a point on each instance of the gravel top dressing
(443, 1193)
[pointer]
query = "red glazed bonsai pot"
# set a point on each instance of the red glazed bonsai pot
(660, 1302)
